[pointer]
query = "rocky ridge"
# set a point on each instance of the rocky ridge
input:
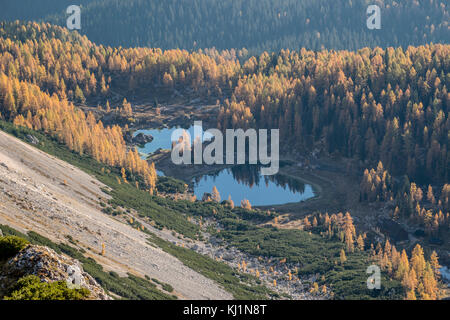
(49, 266)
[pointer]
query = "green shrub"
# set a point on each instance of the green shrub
(170, 185)
(31, 288)
(10, 246)
(167, 287)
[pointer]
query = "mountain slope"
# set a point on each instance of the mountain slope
(55, 199)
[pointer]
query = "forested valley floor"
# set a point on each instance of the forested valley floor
(368, 128)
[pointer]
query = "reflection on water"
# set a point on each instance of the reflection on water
(246, 182)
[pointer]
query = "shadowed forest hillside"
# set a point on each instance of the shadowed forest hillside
(257, 25)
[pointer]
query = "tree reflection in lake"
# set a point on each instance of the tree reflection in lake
(246, 182)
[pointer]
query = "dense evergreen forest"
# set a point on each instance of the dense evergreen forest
(389, 105)
(30, 10)
(258, 25)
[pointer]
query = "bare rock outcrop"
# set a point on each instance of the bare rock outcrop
(49, 266)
